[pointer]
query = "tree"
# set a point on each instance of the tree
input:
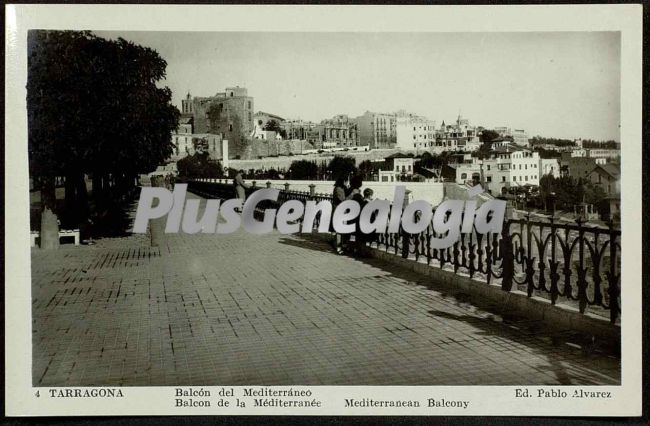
(610, 144)
(303, 169)
(547, 153)
(366, 168)
(340, 166)
(199, 165)
(487, 136)
(547, 190)
(539, 140)
(274, 126)
(94, 108)
(272, 174)
(426, 160)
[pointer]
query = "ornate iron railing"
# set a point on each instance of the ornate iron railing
(573, 262)
(222, 189)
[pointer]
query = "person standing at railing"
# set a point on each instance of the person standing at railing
(405, 236)
(240, 186)
(339, 194)
(360, 238)
(355, 194)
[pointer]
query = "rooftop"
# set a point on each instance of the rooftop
(610, 169)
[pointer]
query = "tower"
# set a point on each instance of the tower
(186, 104)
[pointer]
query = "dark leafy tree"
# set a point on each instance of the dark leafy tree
(539, 140)
(367, 169)
(274, 126)
(272, 174)
(488, 135)
(340, 166)
(199, 165)
(547, 190)
(610, 144)
(94, 108)
(303, 169)
(426, 160)
(547, 153)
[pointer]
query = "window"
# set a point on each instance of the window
(230, 127)
(463, 175)
(249, 105)
(526, 178)
(489, 178)
(514, 178)
(503, 178)
(488, 167)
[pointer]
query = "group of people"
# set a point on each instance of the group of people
(342, 191)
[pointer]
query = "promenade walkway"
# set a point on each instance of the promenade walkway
(275, 309)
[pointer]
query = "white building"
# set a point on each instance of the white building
(399, 167)
(508, 166)
(579, 152)
(267, 135)
(549, 166)
(415, 133)
(519, 136)
(524, 168)
(602, 153)
(403, 165)
(182, 138)
(460, 136)
(468, 172)
(387, 176)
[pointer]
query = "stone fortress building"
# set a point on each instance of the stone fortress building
(228, 114)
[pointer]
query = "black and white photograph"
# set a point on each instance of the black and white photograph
(259, 210)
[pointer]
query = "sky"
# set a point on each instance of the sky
(556, 84)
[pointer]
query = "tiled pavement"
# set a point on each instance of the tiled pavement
(273, 309)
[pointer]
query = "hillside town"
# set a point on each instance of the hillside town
(400, 146)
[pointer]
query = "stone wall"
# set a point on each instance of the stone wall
(431, 192)
(284, 162)
(264, 148)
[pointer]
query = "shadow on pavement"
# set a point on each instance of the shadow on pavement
(492, 320)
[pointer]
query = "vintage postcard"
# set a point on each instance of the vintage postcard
(317, 210)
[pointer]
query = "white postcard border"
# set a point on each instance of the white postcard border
(21, 397)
